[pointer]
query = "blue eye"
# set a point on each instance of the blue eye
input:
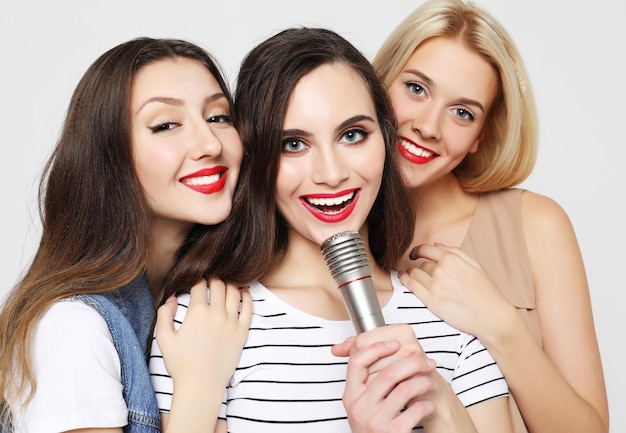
(293, 145)
(354, 136)
(465, 114)
(415, 88)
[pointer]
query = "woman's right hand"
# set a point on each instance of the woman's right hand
(394, 398)
(388, 381)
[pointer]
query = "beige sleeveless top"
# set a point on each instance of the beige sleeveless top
(495, 239)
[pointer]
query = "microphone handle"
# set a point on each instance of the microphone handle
(362, 304)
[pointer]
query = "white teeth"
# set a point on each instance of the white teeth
(336, 201)
(202, 180)
(416, 150)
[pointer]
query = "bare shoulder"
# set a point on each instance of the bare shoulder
(542, 214)
(548, 232)
(550, 238)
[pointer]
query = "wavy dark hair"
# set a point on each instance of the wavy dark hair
(255, 234)
(97, 225)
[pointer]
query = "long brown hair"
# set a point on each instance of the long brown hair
(255, 234)
(97, 225)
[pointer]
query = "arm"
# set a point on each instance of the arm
(569, 364)
(202, 355)
(456, 288)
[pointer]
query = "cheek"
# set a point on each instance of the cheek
(462, 141)
(290, 175)
(233, 148)
(400, 105)
(374, 159)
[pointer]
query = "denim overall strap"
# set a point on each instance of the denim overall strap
(143, 412)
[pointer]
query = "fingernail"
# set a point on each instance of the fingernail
(413, 254)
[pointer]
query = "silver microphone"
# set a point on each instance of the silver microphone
(346, 259)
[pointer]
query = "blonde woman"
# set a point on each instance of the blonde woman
(494, 261)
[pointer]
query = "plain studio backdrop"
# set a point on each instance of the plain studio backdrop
(573, 49)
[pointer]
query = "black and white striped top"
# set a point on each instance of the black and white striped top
(288, 380)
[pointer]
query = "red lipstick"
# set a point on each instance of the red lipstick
(331, 213)
(415, 159)
(207, 180)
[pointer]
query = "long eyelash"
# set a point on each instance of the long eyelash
(162, 126)
(226, 118)
(470, 116)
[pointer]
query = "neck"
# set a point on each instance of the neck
(434, 201)
(303, 265)
(443, 213)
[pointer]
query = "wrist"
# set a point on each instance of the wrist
(450, 414)
(503, 328)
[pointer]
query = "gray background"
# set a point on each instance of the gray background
(574, 52)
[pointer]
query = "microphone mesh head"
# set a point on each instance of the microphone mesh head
(345, 254)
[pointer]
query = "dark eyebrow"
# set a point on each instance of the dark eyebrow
(429, 82)
(295, 132)
(342, 125)
(178, 102)
(354, 119)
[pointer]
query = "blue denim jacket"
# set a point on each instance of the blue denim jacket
(129, 312)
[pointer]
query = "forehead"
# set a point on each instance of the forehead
(452, 63)
(330, 90)
(171, 76)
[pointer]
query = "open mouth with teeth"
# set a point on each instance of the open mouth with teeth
(331, 208)
(202, 180)
(207, 184)
(414, 153)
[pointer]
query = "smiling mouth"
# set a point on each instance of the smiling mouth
(331, 205)
(416, 150)
(208, 183)
(202, 180)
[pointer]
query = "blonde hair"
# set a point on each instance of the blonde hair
(508, 150)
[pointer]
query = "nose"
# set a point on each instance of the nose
(427, 122)
(205, 142)
(328, 166)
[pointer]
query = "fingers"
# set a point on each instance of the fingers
(406, 386)
(165, 319)
(437, 252)
(199, 294)
(427, 251)
(245, 312)
(221, 300)
(410, 346)
(343, 349)
(359, 363)
(379, 405)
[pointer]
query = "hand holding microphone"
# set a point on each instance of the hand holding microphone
(347, 261)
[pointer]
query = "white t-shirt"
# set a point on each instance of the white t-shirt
(288, 380)
(77, 372)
